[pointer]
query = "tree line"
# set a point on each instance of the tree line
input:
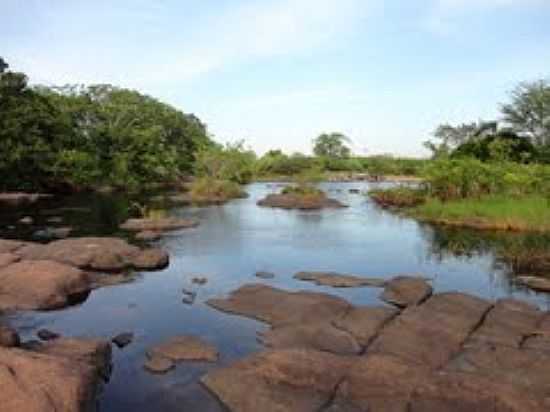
(72, 137)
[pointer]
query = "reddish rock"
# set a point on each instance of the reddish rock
(62, 376)
(292, 201)
(41, 284)
(7, 259)
(95, 253)
(404, 291)
(159, 365)
(8, 337)
(364, 323)
(160, 225)
(185, 348)
(430, 334)
(338, 280)
(7, 246)
(148, 235)
(279, 307)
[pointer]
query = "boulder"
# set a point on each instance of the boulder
(41, 284)
(185, 348)
(95, 253)
(403, 291)
(337, 280)
(123, 339)
(159, 225)
(8, 337)
(65, 375)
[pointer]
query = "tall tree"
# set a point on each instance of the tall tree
(528, 113)
(332, 145)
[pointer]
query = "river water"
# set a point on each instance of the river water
(231, 244)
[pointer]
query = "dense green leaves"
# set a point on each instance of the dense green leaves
(88, 136)
(331, 145)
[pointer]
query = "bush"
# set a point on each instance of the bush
(210, 189)
(229, 163)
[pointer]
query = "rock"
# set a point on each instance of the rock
(404, 291)
(21, 199)
(54, 219)
(151, 259)
(45, 334)
(7, 259)
(161, 225)
(277, 381)
(159, 365)
(64, 375)
(432, 333)
(354, 191)
(200, 280)
(10, 246)
(185, 348)
(41, 284)
(291, 201)
(265, 275)
(189, 297)
(321, 335)
(95, 253)
(51, 233)
(337, 280)
(364, 322)
(123, 339)
(279, 307)
(27, 220)
(537, 283)
(148, 235)
(8, 337)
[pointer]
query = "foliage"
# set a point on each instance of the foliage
(88, 136)
(331, 145)
(210, 189)
(275, 162)
(401, 196)
(389, 165)
(502, 146)
(529, 111)
(529, 212)
(232, 162)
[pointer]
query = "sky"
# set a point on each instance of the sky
(277, 73)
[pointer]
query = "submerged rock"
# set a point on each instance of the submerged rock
(159, 365)
(161, 225)
(123, 339)
(292, 201)
(199, 280)
(45, 334)
(185, 348)
(264, 275)
(62, 375)
(338, 280)
(404, 291)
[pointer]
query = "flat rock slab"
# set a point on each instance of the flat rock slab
(41, 284)
(7, 245)
(149, 235)
(7, 259)
(185, 348)
(365, 322)
(290, 201)
(279, 307)
(95, 253)
(62, 376)
(337, 280)
(432, 333)
(264, 275)
(160, 225)
(403, 291)
(159, 365)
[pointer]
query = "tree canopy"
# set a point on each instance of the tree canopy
(331, 145)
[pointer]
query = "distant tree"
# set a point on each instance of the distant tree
(529, 111)
(3, 65)
(331, 145)
(231, 162)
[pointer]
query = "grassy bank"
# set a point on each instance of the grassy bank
(526, 213)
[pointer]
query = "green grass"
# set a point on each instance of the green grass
(529, 213)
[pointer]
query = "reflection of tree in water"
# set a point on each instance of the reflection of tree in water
(514, 253)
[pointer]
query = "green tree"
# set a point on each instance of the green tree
(231, 162)
(529, 111)
(331, 145)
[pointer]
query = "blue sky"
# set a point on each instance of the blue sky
(279, 72)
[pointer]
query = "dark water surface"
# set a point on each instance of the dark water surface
(231, 244)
